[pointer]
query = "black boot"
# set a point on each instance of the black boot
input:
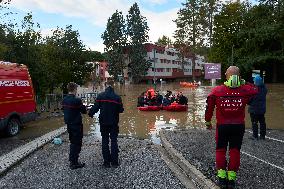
(222, 183)
(77, 165)
(115, 164)
(231, 184)
(106, 164)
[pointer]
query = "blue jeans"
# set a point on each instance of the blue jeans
(110, 132)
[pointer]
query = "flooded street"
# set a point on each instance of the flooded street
(146, 125)
(29, 132)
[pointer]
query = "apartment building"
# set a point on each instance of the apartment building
(166, 63)
(100, 69)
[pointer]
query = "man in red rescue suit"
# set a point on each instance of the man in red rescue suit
(230, 100)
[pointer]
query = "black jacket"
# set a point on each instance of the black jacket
(183, 100)
(258, 102)
(110, 106)
(72, 108)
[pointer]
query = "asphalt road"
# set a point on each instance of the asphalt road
(262, 162)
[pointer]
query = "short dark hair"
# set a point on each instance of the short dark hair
(110, 82)
(71, 87)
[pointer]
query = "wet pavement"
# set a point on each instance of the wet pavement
(146, 125)
(30, 131)
(262, 162)
(141, 167)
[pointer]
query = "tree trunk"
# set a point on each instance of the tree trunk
(274, 74)
(182, 63)
(193, 67)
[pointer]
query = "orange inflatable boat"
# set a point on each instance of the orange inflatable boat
(188, 84)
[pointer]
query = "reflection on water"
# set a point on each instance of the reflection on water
(146, 125)
(38, 128)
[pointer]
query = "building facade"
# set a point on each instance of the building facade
(100, 70)
(166, 63)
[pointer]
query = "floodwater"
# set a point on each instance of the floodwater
(29, 132)
(146, 125)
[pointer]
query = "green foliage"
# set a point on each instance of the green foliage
(188, 23)
(208, 10)
(115, 40)
(164, 40)
(52, 61)
(96, 56)
(249, 36)
(68, 55)
(131, 36)
(227, 24)
(190, 33)
(137, 30)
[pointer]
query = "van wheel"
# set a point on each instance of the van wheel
(13, 127)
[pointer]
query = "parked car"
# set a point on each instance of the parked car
(17, 98)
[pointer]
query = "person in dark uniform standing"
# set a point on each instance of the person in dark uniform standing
(257, 109)
(72, 108)
(110, 105)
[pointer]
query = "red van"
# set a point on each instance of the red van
(17, 99)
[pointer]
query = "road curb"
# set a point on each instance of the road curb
(10, 159)
(199, 179)
(178, 172)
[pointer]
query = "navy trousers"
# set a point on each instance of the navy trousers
(75, 137)
(255, 119)
(109, 132)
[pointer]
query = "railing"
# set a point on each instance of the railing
(49, 103)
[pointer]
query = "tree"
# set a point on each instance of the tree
(137, 30)
(5, 27)
(4, 13)
(227, 23)
(164, 40)
(52, 61)
(209, 9)
(66, 57)
(250, 37)
(189, 28)
(96, 56)
(261, 39)
(115, 41)
(24, 44)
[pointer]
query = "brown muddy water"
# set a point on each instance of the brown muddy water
(146, 125)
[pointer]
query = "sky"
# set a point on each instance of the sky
(89, 17)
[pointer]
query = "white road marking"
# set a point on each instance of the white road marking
(271, 164)
(275, 139)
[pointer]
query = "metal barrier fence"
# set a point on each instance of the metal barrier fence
(52, 102)
(49, 103)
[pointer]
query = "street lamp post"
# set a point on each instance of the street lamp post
(154, 68)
